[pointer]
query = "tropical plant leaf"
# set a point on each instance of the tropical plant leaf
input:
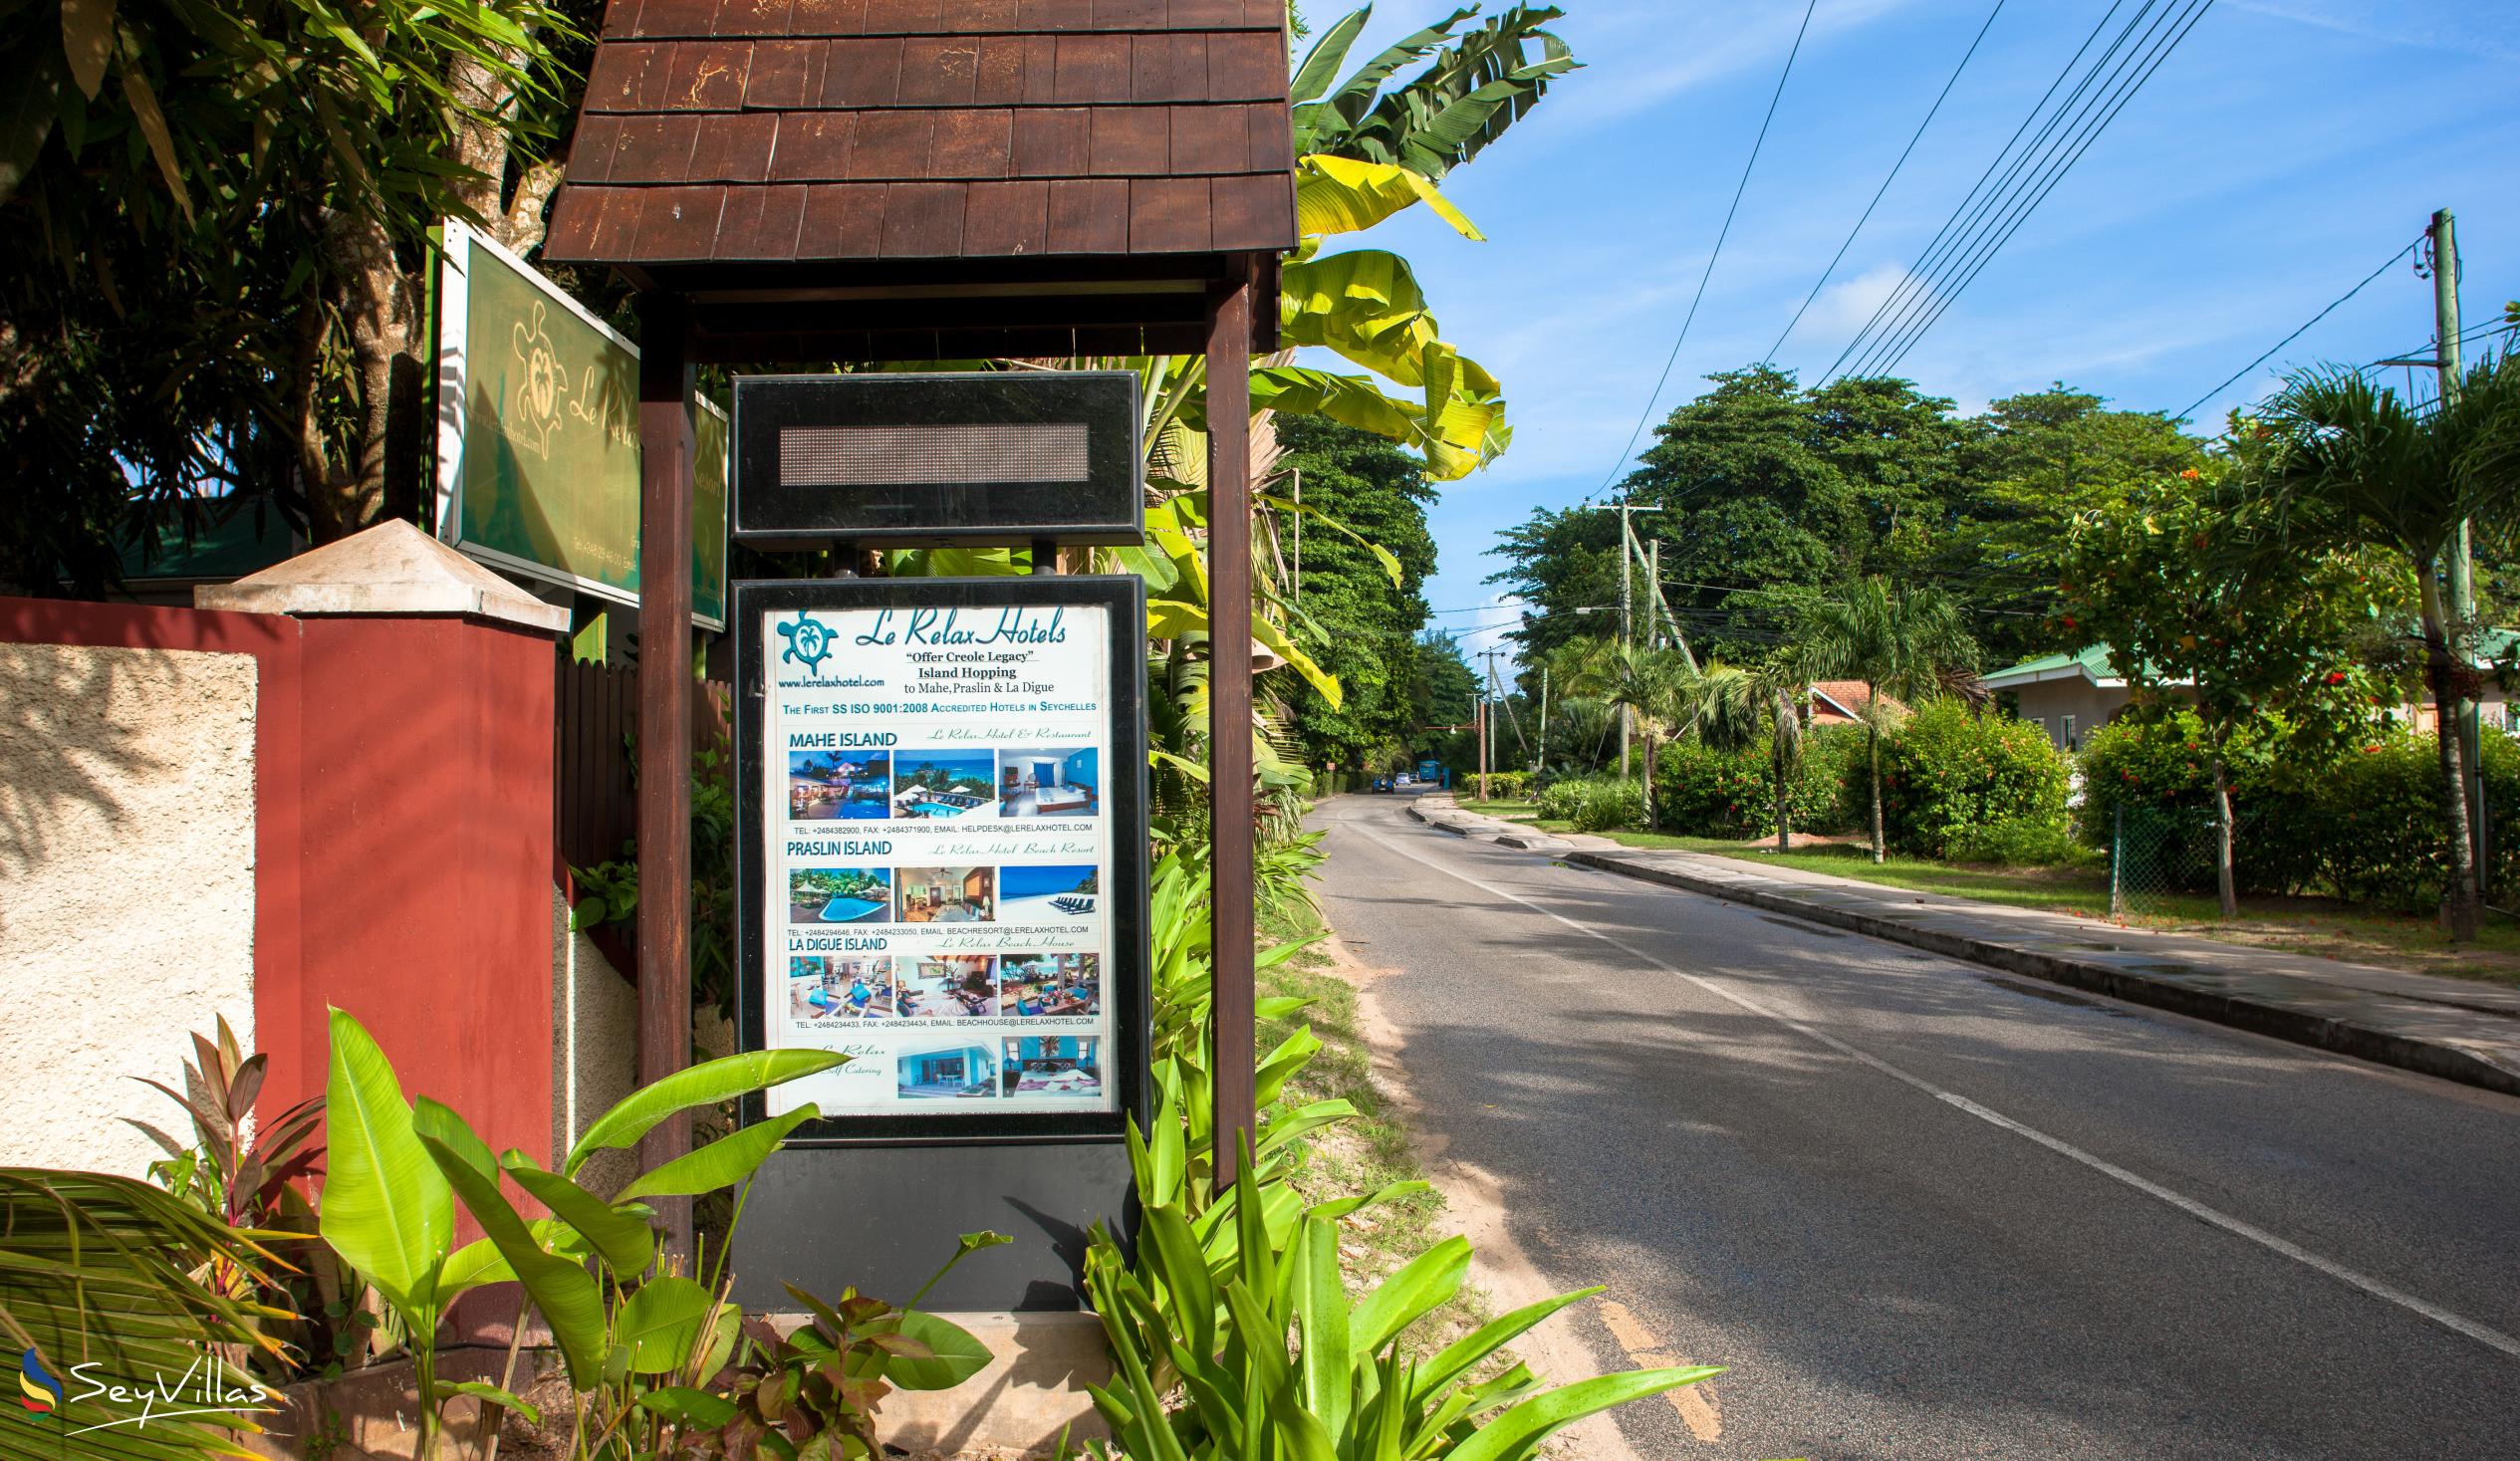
(386, 1208)
(623, 1240)
(706, 1083)
(660, 1325)
(722, 1163)
(563, 1290)
(87, 35)
(491, 1393)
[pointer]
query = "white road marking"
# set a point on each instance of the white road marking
(2492, 1339)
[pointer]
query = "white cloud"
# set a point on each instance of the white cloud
(1843, 309)
(2490, 31)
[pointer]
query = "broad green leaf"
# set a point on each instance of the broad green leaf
(562, 1289)
(722, 1163)
(442, 1121)
(493, 1395)
(1421, 1286)
(1522, 1427)
(472, 1265)
(684, 1405)
(386, 1208)
(1345, 196)
(704, 1085)
(1327, 1368)
(1464, 1354)
(660, 1325)
(954, 1356)
(1320, 64)
(623, 1240)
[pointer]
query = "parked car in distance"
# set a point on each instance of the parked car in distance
(1404, 780)
(1382, 783)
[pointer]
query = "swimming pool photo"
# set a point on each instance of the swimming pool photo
(839, 895)
(929, 785)
(833, 786)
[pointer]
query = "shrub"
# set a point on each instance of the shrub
(1595, 804)
(1702, 792)
(1947, 769)
(1502, 785)
(2021, 841)
(1829, 778)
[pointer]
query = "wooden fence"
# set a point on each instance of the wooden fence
(595, 789)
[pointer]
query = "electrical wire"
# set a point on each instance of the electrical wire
(1878, 194)
(1722, 234)
(2386, 264)
(1956, 213)
(2174, 29)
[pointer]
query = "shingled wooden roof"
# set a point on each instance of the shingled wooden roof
(765, 132)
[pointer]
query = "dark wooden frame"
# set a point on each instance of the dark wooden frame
(1127, 980)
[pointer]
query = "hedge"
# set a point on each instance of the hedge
(1700, 792)
(1945, 770)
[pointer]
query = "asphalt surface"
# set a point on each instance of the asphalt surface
(1924, 1209)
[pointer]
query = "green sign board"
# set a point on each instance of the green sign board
(538, 435)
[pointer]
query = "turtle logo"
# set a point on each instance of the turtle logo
(38, 1391)
(809, 642)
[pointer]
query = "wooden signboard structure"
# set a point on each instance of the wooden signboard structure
(891, 181)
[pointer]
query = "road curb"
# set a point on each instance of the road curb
(2342, 1035)
(2183, 990)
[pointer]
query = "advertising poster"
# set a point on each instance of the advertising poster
(936, 857)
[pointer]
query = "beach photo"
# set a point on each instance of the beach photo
(929, 785)
(1062, 893)
(953, 1071)
(947, 894)
(1050, 984)
(1053, 1065)
(839, 895)
(833, 786)
(824, 989)
(948, 987)
(1049, 780)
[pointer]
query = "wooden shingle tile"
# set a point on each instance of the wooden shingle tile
(1207, 139)
(1265, 13)
(785, 76)
(1245, 65)
(654, 148)
(1006, 219)
(827, 17)
(1167, 215)
(628, 76)
(678, 222)
(1128, 141)
(939, 71)
(1251, 213)
(1272, 133)
(1129, 15)
(752, 18)
(843, 220)
(590, 149)
(976, 16)
(1092, 68)
(891, 145)
(574, 215)
(708, 76)
(1052, 142)
(1000, 79)
(1169, 68)
(1089, 215)
(621, 18)
(1041, 70)
(813, 146)
(760, 223)
(861, 73)
(923, 220)
(971, 142)
(677, 18)
(734, 147)
(903, 17)
(1054, 15)
(1205, 14)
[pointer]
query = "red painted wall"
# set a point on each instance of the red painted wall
(403, 843)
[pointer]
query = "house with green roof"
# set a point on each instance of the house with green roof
(2071, 696)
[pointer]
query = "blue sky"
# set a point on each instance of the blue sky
(2285, 151)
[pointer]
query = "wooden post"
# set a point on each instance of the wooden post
(664, 724)
(1229, 710)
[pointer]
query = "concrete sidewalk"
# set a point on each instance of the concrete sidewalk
(2451, 1028)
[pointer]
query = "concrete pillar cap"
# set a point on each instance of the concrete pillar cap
(390, 569)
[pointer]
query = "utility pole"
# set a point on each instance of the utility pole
(2463, 566)
(1654, 576)
(1482, 720)
(1539, 753)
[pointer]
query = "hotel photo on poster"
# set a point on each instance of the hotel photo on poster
(936, 852)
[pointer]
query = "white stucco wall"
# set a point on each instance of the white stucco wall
(126, 888)
(595, 1055)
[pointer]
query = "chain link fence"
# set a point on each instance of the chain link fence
(2160, 861)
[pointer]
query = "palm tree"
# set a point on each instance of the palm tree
(1897, 640)
(2345, 464)
(1781, 684)
(1651, 685)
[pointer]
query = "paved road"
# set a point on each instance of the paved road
(1928, 1210)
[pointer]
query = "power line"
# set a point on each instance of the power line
(1878, 194)
(2116, 92)
(1721, 235)
(2162, 53)
(1953, 221)
(2385, 267)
